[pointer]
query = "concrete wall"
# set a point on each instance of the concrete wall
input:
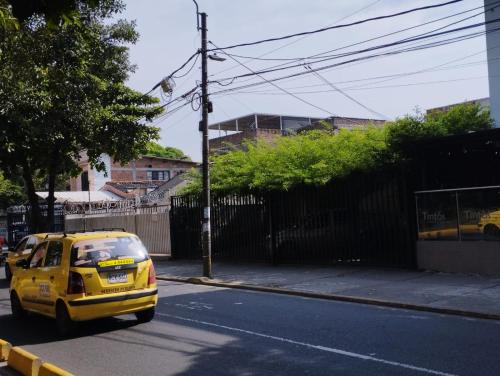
(492, 11)
(478, 257)
(153, 229)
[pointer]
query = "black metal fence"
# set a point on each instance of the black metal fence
(364, 219)
(19, 221)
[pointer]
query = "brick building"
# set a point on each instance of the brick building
(147, 169)
(233, 132)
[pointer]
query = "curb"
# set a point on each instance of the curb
(27, 364)
(48, 369)
(4, 350)
(342, 298)
(23, 362)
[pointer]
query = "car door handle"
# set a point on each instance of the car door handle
(33, 279)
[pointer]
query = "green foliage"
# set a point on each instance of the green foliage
(11, 193)
(58, 12)
(318, 156)
(157, 150)
(458, 119)
(7, 20)
(311, 158)
(62, 90)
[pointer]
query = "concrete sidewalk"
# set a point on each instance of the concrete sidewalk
(470, 295)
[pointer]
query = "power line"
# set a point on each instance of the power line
(337, 26)
(492, 6)
(302, 38)
(348, 96)
(454, 40)
(190, 69)
(400, 75)
(276, 86)
(178, 69)
(362, 88)
(370, 49)
(322, 54)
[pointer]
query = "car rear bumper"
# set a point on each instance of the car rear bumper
(89, 308)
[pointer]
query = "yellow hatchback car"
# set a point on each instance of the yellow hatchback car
(21, 251)
(84, 276)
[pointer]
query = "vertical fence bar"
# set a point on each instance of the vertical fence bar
(459, 232)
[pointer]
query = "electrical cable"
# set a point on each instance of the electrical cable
(370, 49)
(278, 87)
(348, 96)
(190, 69)
(322, 54)
(331, 66)
(493, 5)
(302, 38)
(178, 69)
(359, 22)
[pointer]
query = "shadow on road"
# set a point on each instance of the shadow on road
(36, 329)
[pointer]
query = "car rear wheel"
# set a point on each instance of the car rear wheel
(16, 306)
(146, 315)
(65, 326)
(491, 232)
(8, 273)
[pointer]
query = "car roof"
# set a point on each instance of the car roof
(96, 235)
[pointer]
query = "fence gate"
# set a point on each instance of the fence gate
(364, 219)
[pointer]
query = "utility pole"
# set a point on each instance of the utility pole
(205, 109)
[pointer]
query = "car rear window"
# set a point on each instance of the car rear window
(96, 252)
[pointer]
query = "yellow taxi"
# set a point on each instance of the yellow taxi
(84, 276)
(21, 251)
(489, 224)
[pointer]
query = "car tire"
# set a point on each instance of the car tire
(18, 311)
(146, 315)
(8, 273)
(65, 326)
(491, 232)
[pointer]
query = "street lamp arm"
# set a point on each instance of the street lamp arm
(197, 15)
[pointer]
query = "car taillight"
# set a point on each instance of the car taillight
(75, 284)
(152, 275)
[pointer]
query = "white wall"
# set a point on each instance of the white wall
(99, 177)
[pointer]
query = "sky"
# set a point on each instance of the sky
(418, 79)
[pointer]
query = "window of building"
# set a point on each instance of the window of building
(85, 181)
(158, 175)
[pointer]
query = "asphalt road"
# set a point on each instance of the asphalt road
(202, 330)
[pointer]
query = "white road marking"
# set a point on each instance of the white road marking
(316, 347)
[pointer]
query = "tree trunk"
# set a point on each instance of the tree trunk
(35, 214)
(52, 185)
(51, 201)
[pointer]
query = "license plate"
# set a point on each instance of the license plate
(119, 277)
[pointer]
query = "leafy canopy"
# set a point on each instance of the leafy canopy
(10, 193)
(157, 150)
(62, 90)
(319, 156)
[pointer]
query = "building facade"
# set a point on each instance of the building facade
(234, 132)
(144, 169)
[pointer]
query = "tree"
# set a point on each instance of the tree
(313, 157)
(11, 193)
(459, 119)
(62, 91)
(53, 11)
(320, 156)
(157, 150)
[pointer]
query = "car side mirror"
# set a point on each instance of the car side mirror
(22, 264)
